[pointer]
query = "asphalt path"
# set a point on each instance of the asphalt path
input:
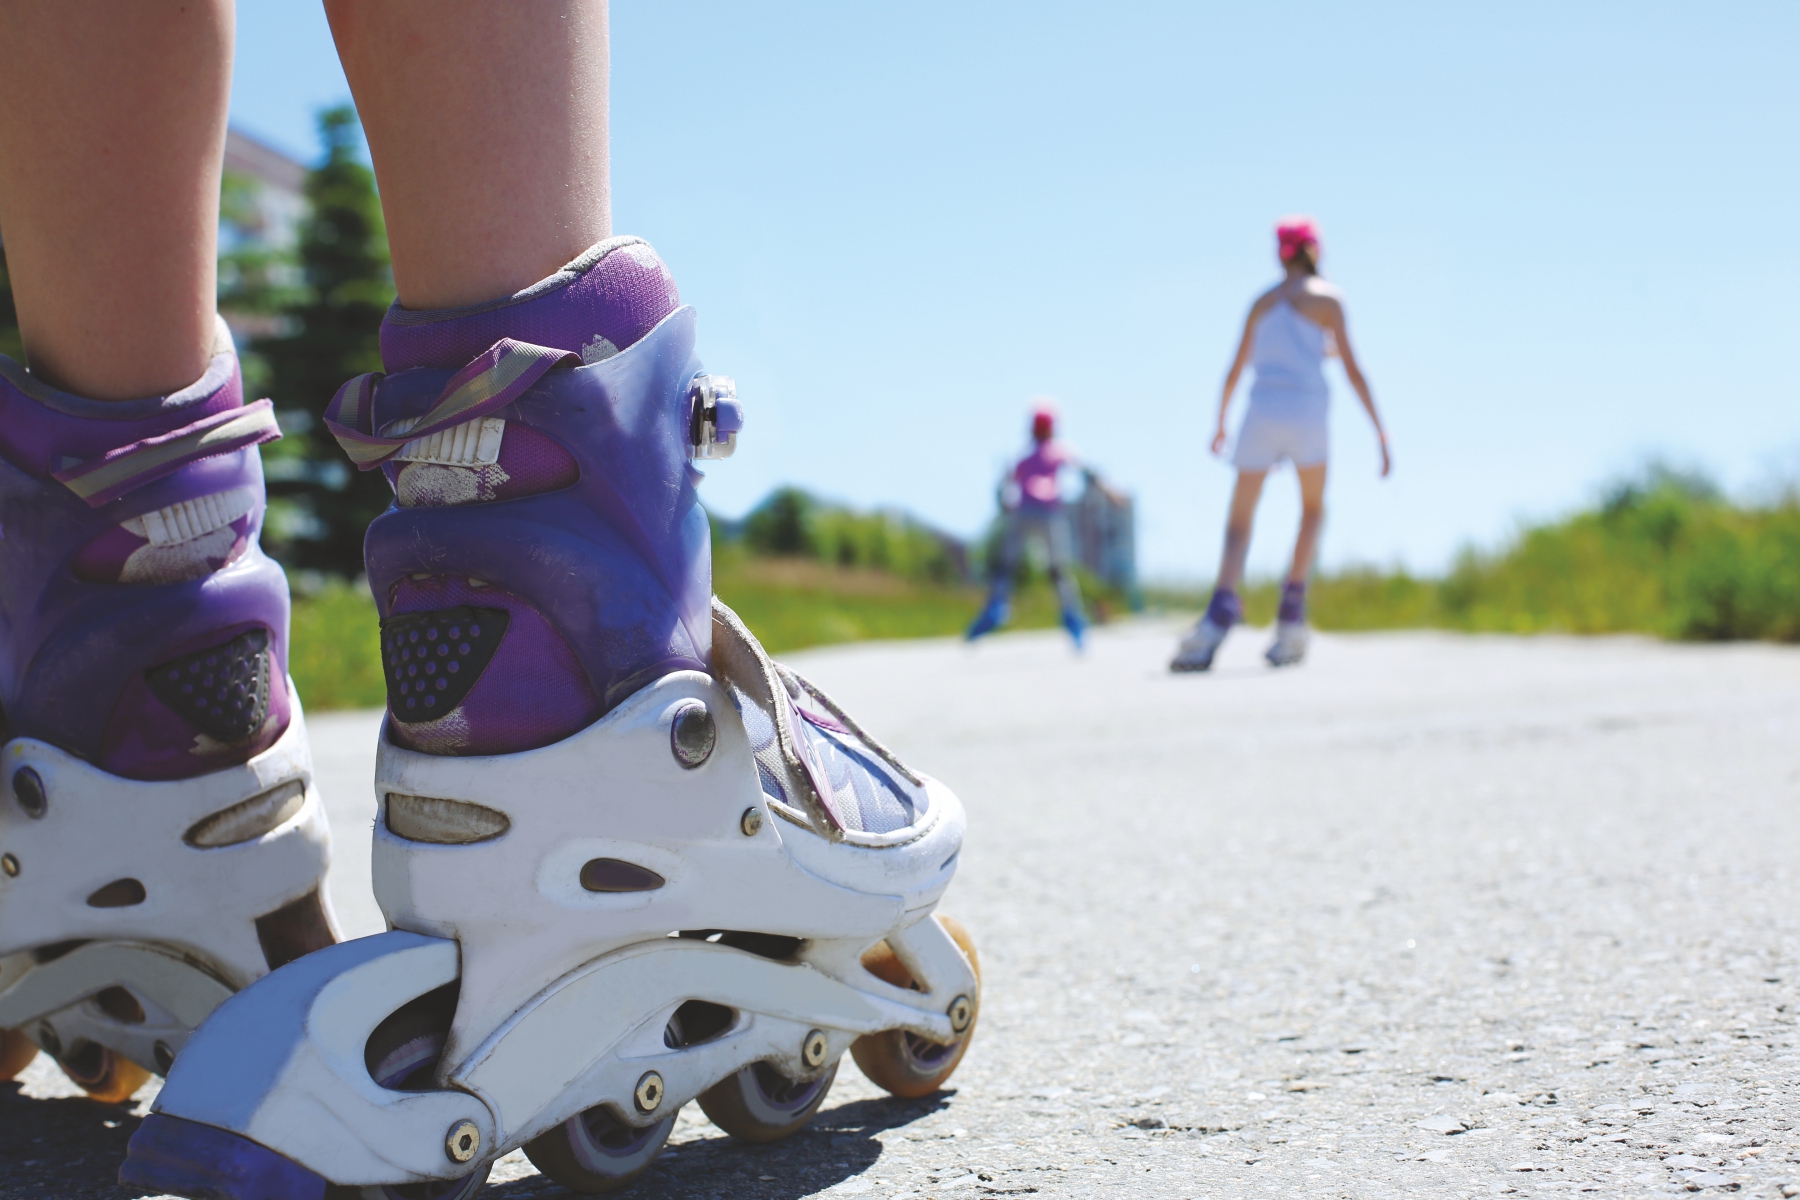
(1430, 915)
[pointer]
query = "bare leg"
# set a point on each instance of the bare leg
(112, 131)
(1312, 520)
(487, 124)
(1238, 524)
(1061, 556)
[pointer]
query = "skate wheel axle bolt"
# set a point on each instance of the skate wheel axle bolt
(962, 1012)
(47, 1040)
(10, 865)
(751, 822)
(28, 786)
(462, 1142)
(693, 734)
(812, 1050)
(648, 1094)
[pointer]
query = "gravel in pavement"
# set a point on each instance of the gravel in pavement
(1430, 915)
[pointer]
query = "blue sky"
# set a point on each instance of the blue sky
(1564, 232)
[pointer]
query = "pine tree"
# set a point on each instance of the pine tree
(322, 505)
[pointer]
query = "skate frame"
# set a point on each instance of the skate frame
(284, 1064)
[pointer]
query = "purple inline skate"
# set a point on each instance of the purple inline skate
(628, 860)
(161, 845)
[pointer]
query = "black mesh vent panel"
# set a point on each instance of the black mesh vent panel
(432, 659)
(223, 691)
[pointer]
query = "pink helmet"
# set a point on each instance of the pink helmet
(1291, 233)
(1043, 421)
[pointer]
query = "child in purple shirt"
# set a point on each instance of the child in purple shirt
(1031, 503)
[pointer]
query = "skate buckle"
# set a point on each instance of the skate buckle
(717, 416)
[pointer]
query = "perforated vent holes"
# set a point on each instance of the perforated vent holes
(432, 659)
(223, 691)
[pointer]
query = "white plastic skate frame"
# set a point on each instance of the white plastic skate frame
(283, 1064)
(109, 883)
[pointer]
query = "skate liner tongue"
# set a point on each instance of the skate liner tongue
(818, 767)
(594, 307)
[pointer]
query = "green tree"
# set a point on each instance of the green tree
(258, 282)
(322, 506)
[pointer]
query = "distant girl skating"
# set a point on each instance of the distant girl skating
(1290, 331)
(1031, 507)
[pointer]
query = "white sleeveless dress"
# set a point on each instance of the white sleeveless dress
(1289, 398)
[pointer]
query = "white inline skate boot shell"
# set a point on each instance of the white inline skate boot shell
(1196, 651)
(677, 902)
(129, 910)
(1289, 646)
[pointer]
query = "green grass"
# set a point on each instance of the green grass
(334, 653)
(1664, 555)
(790, 603)
(793, 603)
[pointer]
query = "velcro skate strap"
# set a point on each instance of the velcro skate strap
(102, 480)
(741, 660)
(494, 380)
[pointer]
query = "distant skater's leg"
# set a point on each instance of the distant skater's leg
(1290, 623)
(1062, 574)
(1238, 524)
(1000, 576)
(1312, 520)
(152, 740)
(1225, 609)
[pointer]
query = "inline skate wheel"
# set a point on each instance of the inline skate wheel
(402, 1055)
(760, 1104)
(16, 1053)
(905, 1064)
(106, 1077)
(595, 1151)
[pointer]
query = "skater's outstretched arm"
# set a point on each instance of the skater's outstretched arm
(1238, 363)
(112, 132)
(487, 126)
(1332, 310)
(1094, 480)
